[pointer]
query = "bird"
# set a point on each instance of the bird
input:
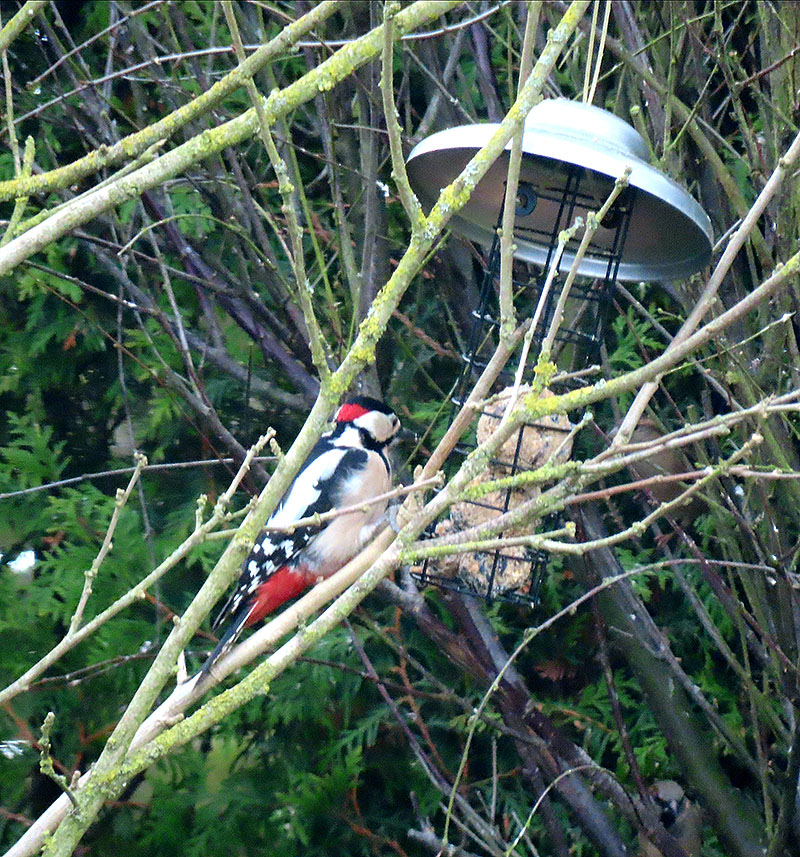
(347, 467)
(682, 819)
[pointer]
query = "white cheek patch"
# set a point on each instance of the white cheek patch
(379, 425)
(373, 422)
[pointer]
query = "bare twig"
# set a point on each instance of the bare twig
(408, 198)
(134, 594)
(91, 573)
(124, 471)
(507, 246)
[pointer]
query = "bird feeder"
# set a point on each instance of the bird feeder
(572, 155)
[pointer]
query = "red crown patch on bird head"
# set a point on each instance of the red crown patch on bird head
(350, 411)
(356, 407)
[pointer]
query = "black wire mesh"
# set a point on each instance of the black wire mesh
(515, 575)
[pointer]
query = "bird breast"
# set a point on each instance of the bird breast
(345, 535)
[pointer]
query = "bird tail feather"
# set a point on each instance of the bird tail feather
(227, 640)
(280, 587)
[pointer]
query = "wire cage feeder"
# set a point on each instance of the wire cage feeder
(572, 155)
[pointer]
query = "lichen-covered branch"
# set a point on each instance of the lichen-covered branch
(136, 593)
(452, 198)
(213, 140)
(17, 24)
(136, 144)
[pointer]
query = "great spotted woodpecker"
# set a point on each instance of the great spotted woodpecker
(347, 466)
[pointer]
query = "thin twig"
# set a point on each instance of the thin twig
(318, 520)
(593, 220)
(12, 131)
(46, 760)
(408, 198)
(124, 471)
(135, 593)
(589, 97)
(91, 573)
(507, 245)
(286, 189)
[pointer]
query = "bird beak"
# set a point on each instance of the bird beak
(406, 434)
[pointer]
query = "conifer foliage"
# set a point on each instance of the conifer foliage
(207, 240)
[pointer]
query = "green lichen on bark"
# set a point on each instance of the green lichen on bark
(208, 142)
(136, 144)
(18, 23)
(233, 132)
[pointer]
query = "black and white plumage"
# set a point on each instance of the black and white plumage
(681, 818)
(347, 466)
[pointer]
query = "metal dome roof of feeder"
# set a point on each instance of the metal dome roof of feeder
(669, 235)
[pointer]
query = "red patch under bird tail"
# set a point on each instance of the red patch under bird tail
(284, 584)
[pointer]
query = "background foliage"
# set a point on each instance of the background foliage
(173, 326)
